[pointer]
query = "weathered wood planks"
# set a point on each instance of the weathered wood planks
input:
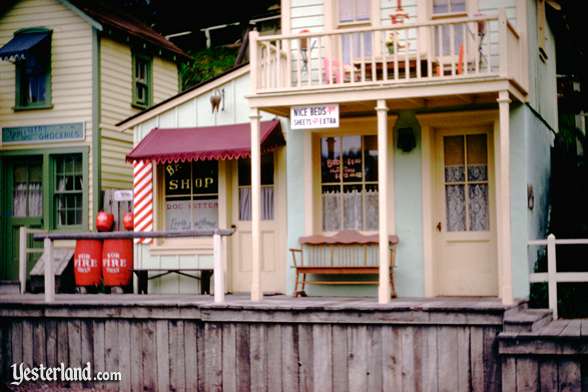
(233, 354)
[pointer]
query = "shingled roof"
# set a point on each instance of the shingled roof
(121, 22)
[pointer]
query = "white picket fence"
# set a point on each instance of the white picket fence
(552, 277)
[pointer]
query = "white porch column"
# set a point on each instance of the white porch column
(256, 291)
(384, 254)
(503, 210)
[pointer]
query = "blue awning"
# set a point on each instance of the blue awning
(20, 44)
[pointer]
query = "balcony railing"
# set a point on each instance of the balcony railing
(458, 48)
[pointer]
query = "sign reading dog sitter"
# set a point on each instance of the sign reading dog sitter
(314, 116)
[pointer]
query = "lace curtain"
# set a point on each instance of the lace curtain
(352, 204)
(27, 199)
(477, 200)
(267, 203)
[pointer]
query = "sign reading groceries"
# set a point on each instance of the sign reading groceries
(314, 116)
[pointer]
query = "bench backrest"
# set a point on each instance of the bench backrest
(348, 248)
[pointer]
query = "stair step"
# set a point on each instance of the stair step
(526, 320)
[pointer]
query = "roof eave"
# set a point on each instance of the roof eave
(94, 23)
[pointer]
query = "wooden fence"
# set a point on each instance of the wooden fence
(552, 277)
(233, 349)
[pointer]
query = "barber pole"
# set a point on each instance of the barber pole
(143, 198)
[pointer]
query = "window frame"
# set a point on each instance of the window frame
(451, 14)
(148, 83)
(355, 23)
(18, 69)
(162, 209)
(272, 185)
(341, 183)
(54, 220)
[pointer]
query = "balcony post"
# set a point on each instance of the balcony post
(503, 209)
(256, 291)
(503, 42)
(253, 66)
(384, 248)
(48, 269)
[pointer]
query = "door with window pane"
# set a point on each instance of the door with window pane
(23, 204)
(464, 228)
(272, 260)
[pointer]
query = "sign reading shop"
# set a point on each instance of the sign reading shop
(314, 116)
(43, 133)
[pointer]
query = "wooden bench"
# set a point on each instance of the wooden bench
(143, 277)
(347, 252)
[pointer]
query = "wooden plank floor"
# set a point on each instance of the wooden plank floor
(273, 301)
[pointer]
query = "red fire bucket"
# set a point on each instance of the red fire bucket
(117, 262)
(87, 267)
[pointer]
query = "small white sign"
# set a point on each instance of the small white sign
(314, 116)
(123, 195)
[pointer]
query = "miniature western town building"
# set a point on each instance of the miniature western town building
(69, 72)
(424, 123)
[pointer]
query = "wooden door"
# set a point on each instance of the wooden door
(272, 249)
(23, 203)
(465, 230)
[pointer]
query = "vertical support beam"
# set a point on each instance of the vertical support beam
(49, 275)
(219, 273)
(504, 194)
(256, 291)
(22, 258)
(503, 43)
(384, 248)
(551, 275)
(253, 60)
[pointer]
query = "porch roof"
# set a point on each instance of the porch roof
(222, 142)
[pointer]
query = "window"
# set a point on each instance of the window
(33, 74)
(441, 7)
(349, 182)
(466, 182)
(142, 81)
(351, 11)
(355, 45)
(191, 195)
(68, 190)
(267, 188)
(27, 191)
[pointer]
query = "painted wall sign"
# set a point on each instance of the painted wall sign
(314, 116)
(43, 133)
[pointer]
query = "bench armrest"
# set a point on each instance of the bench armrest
(293, 252)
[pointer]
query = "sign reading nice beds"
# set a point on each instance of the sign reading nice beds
(314, 116)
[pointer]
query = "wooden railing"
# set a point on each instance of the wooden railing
(552, 277)
(23, 252)
(458, 48)
(217, 234)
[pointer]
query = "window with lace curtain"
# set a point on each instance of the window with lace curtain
(68, 190)
(349, 182)
(267, 188)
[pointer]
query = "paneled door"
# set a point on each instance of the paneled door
(23, 203)
(465, 228)
(273, 264)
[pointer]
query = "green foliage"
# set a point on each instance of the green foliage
(205, 65)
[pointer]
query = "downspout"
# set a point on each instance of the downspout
(96, 137)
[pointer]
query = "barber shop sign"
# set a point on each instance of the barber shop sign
(314, 116)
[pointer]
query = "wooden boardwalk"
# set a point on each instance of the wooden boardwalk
(551, 357)
(282, 344)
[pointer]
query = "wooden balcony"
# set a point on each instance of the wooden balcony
(480, 54)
